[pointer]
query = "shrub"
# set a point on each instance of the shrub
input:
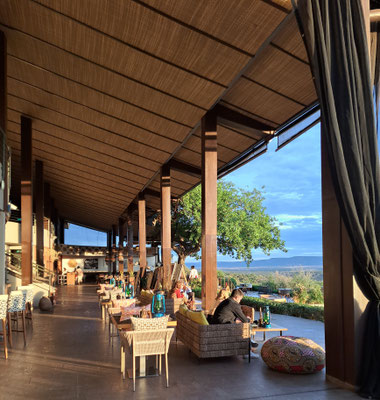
(195, 284)
(197, 292)
(296, 310)
(306, 290)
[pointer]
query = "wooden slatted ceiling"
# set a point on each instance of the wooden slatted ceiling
(114, 88)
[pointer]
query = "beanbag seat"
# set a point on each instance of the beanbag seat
(294, 355)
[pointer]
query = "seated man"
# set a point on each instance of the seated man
(229, 310)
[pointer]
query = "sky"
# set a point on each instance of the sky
(291, 182)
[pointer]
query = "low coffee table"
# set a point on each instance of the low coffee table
(273, 328)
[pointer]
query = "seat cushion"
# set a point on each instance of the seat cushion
(295, 355)
(198, 317)
(183, 309)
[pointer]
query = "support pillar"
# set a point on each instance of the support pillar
(59, 265)
(130, 242)
(209, 209)
(47, 200)
(166, 236)
(3, 124)
(343, 300)
(121, 247)
(114, 234)
(61, 231)
(47, 212)
(109, 250)
(142, 233)
(26, 201)
(39, 196)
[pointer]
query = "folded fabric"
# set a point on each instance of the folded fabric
(123, 302)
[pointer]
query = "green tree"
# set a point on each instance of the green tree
(243, 224)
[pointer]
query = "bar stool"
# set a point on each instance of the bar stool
(3, 317)
(29, 297)
(16, 306)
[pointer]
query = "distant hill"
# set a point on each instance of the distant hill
(286, 263)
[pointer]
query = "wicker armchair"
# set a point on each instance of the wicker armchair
(146, 343)
(209, 341)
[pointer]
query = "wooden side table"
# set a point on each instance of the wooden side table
(273, 328)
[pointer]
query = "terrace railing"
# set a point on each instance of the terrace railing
(40, 272)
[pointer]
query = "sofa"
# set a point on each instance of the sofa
(208, 341)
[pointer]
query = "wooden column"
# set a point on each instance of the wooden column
(121, 247)
(47, 201)
(47, 206)
(39, 196)
(142, 233)
(61, 231)
(3, 124)
(130, 242)
(59, 265)
(114, 255)
(166, 235)
(344, 303)
(109, 250)
(209, 209)
(26, 201)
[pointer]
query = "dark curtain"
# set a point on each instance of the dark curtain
(336, 41)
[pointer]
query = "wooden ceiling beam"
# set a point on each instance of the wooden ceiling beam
(231, 118)
(189, 169)
(153, 193)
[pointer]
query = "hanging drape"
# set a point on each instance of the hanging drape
(335, 37)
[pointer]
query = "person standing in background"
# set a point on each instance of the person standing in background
(193, 273)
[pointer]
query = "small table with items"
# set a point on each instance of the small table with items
(273, 328)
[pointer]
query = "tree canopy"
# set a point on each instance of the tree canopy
(243, 224)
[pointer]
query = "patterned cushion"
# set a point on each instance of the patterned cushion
(145, 324)
(3, 305)
(16, 301)
(29, 293)
(294, 355)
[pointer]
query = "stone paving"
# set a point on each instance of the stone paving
(69, 356)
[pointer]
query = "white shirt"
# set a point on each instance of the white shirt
(193, 274)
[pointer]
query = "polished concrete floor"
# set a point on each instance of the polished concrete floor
(69, 356)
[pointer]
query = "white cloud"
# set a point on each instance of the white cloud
(285, 195)
(294, 221)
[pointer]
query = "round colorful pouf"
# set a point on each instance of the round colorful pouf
(294, 355)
